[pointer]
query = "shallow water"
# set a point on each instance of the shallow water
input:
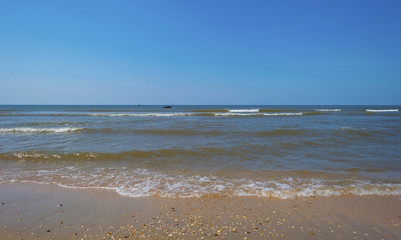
(184, 151)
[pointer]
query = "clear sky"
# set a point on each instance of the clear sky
(200, 52)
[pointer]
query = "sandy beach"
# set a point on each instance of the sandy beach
(40, 211)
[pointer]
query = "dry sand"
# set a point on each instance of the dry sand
(34, 211)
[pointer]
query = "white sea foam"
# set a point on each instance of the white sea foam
(243, 110)
(327, 110)
(140, 183)
(382, 110)
(283, 114)
(257, 114)
(237, 114)
(39, 130)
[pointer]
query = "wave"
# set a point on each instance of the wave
(39, 130)
(44, 114)
(339, 132)
(237, 114)
(283, 114)
(381, 110)
(278, 110)
(122, 156)
(158, 157)
(143, 182)
(257, 114)
(328, 110)
(53, 123)
(243, 110)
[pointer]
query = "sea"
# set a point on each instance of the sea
(205, 151)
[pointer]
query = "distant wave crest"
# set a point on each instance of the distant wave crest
(243, 110)
(328, 110)
(382, 110)
(39, 130)
(257, 114)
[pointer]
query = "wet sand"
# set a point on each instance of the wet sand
(35, 211)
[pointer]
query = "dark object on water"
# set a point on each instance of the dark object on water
(167, 106)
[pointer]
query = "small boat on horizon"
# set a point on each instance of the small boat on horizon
(167, 106)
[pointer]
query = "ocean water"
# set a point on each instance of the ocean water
(201, 151)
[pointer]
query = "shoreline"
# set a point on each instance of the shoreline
(36, 211)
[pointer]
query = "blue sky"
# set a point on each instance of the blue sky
(200, 52)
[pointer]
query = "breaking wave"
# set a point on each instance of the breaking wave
(142, 182)
(283, 114)
(381, 110)
(39, 130)
(257, 114)
(243, 110)
(328, 110)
